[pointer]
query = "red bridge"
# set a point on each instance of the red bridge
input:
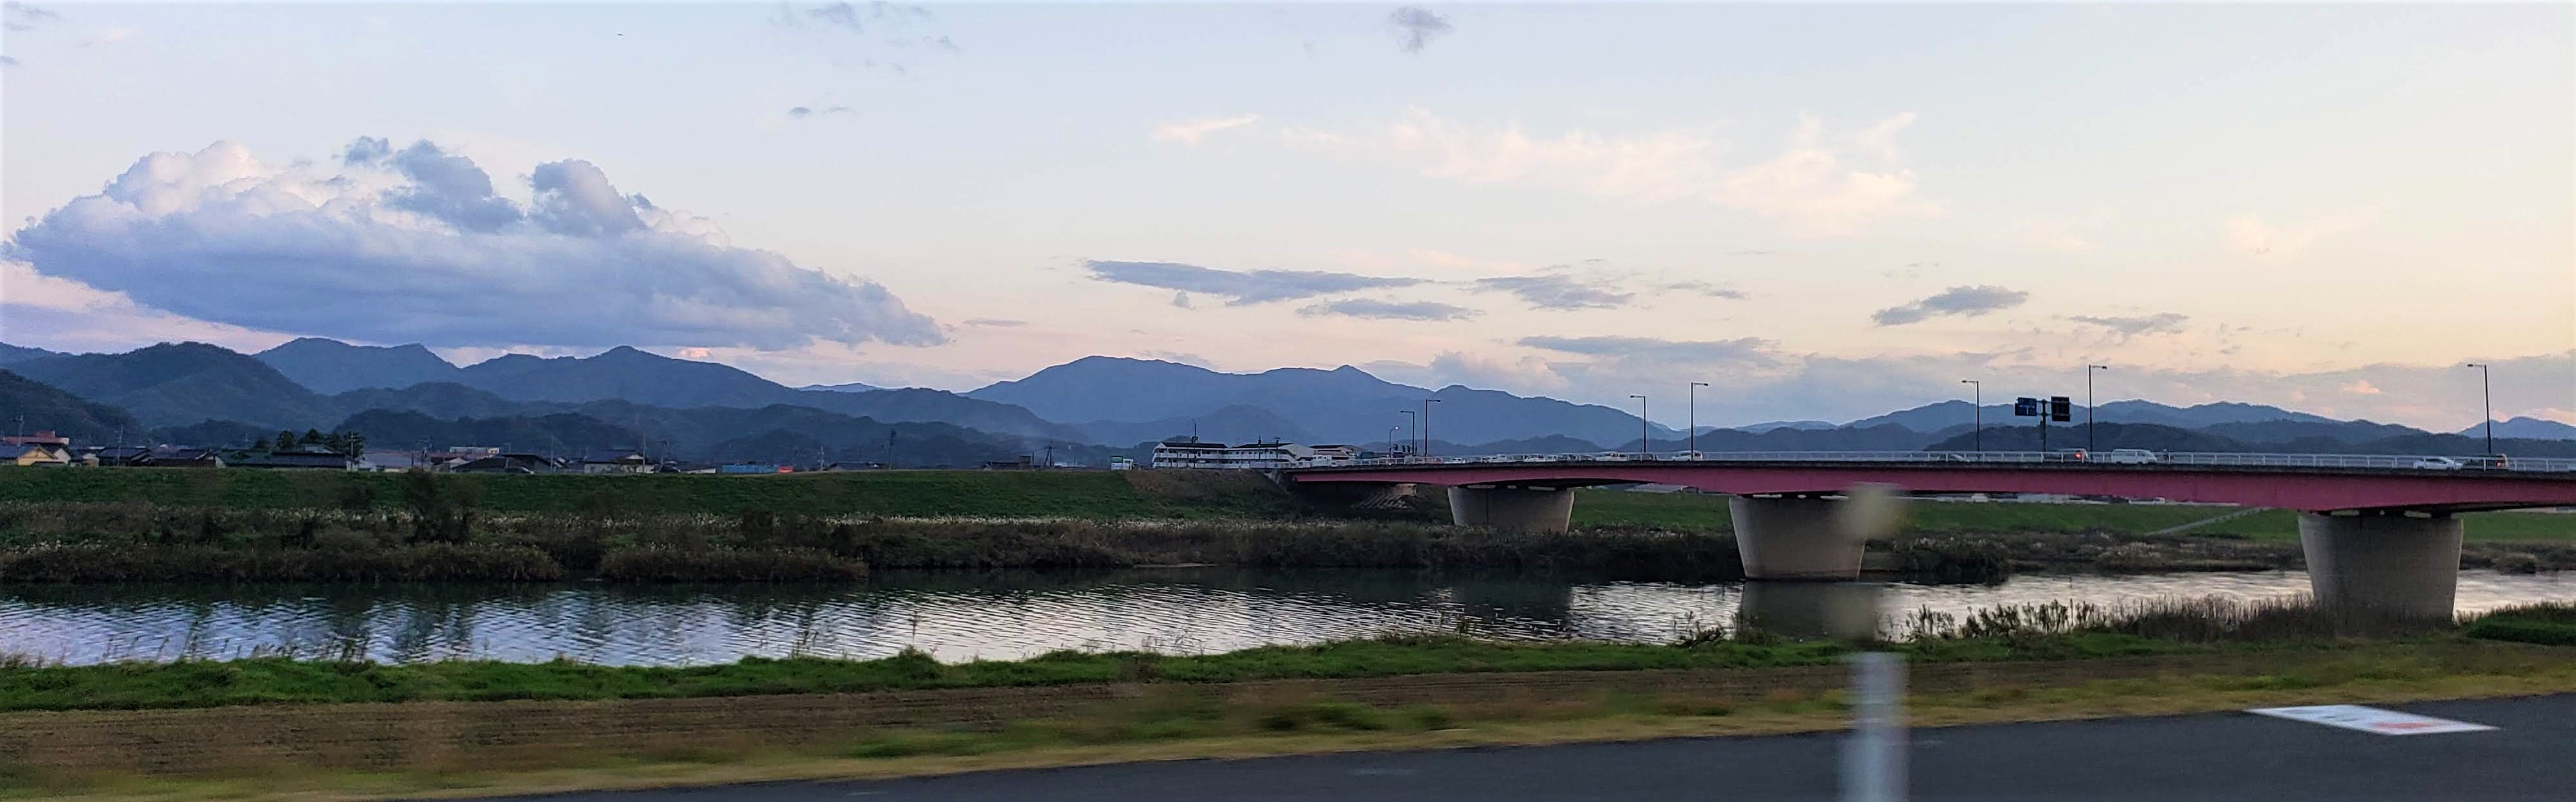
(2378, 530)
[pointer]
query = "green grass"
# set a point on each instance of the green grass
(282, 681)
(1055, 494)
(1707, 513)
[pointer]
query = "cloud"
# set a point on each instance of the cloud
(1811, 184)
(1740, 351)
(1239, 287)
(1188, 132)
(1389, 310)
(853, 17)
(2360, 387)
(6, 61)
(991, 322)
(1961, 301)
(1414, 27)
(1707, 289)
(1556, 291)
(17, 16)
(412, 245)
(2123, 328)
(802, 112)
(2252, 236)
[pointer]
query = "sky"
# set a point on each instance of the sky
(1824, 211)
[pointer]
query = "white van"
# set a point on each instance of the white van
(2128, 456)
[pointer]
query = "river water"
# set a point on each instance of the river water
(960, 616)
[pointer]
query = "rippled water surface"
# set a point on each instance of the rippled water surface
(961, 616)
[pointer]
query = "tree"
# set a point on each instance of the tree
(285, 441)
(353, 444)
(312, 437)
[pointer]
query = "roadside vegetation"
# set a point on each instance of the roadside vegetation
(2031, 632)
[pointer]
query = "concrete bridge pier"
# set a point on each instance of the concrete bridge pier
(2392, 563)
(1512, 508)
(1795, 537)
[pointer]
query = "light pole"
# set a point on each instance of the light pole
(1694, 417)
(1978, 437)
(2089, 444)
(1642, 448)
(1390, 435)
(2488, 389)
(1413, 423)
(1426, 424)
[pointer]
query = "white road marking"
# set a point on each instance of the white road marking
(2370, 719)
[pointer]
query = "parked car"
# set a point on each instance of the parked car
(2437, 464)
(2130, 456)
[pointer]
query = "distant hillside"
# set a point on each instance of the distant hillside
(183, 383)
(331, 366)
(779, 434)
(852, 387)
(2150, 436)
(1345, 404)
(2525, 429)
(1240, 423)
(34, 406)
(18, 353)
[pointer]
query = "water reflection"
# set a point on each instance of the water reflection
(962, 616)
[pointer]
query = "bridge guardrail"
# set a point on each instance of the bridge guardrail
(2122, 457)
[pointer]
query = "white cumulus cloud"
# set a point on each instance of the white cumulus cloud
(412, 245)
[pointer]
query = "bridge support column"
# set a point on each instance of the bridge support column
(1517, 509)
(1794, 537)
(2389, 563)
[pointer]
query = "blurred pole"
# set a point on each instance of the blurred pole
(1874, 755)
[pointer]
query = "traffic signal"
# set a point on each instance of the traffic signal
(2026, 407)
(2059, 407)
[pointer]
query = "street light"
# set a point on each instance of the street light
(1426, 424)
(1642, 443)
(1694, 417)
(2488, 388)
(2089, 445)
(1978, 437)
(1412, 423)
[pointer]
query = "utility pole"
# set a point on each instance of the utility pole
(2090, 443)
(1642, 446)
(1978, 437)
(2487, 388)
(1426, 424)
(1694, 417)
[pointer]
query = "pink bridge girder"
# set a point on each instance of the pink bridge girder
(2305, 489)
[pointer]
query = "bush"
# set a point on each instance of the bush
(663, 564)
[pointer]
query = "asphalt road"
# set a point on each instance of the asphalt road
(2224, 756)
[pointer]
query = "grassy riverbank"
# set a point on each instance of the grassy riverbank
(326, 730)
(2021, 633)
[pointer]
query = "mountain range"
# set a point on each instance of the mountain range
(1096, 405)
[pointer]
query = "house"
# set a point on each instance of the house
(39, 455)
(116, 456)
(616, 462)
(185, 457)
(42, 448)
(846, 465)
(299, 458)
(391, 460)
(508, 463)
(1122, 464)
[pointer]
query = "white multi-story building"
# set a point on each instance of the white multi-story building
(1252, 456)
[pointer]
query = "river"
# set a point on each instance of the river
(963, 616)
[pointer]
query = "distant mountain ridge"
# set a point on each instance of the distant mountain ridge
(1342, 405)
(331, 366)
